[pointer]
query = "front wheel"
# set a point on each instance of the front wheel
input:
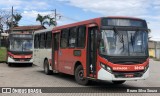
(118, 82)
(79, 76)
(46, 68)
(9, 64)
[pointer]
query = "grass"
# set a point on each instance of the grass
(3, 52)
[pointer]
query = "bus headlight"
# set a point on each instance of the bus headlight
(10, 56)
(146, 68)
(107, 68)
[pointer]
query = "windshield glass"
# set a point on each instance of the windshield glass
(20, 42)
(124, 43)
(20, 45)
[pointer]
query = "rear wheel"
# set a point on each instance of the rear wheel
(46, 68)
(118, 82)
(79, 76)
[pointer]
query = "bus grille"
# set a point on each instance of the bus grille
(22, 59)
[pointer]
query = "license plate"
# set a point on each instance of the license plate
(129, 75)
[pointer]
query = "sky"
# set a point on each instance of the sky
(78, 10)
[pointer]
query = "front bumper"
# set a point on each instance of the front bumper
(105, 75)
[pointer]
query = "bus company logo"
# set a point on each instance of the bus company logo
(6, 90)
(120, 68)
(139, 67)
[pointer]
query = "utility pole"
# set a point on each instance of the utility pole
(12, 21)
(55, 15)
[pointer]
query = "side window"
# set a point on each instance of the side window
(81, 36)
(72, 37)
(48, 39)
(64, 38)
(56, 41)
(42, 40)
(36, 41)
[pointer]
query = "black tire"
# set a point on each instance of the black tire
(79, 76)
(46, 68)
(118, 82)
(9, 64)
(30, 64)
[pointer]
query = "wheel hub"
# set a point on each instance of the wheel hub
(80, 74)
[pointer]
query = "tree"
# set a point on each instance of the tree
(17, 18)
(46, 20)
(5, 20)
(50, 21)
(4, 15)
(41, 19)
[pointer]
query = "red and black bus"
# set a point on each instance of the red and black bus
(105, 48)
(20, 48)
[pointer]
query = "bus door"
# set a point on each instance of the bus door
(92, 51)
(55, 48)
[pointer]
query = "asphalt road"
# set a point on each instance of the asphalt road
(27, 76)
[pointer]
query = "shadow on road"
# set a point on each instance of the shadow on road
(95, 86)
(92, 83)
(20, 65)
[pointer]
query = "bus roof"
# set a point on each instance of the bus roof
(20, 33)
(124, 17)
(77, 23)
(44, 30)
(92, 21)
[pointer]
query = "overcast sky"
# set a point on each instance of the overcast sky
(77, 10)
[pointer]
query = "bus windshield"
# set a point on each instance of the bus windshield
(21, 44)
(123, 43)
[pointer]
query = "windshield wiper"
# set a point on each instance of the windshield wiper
(123, 42)
(132, 42)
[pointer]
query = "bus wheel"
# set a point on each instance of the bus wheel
(79, 76)
(9, 64)
(118, 82)
(46, 68)
(30, 64)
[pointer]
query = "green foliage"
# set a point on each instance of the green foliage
(46, 20)
(3, 53)
(16, 18)
(151, 57)
(41, 19)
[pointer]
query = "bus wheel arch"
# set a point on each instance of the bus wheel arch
(76, 65)
(79, 74)
(46, 67)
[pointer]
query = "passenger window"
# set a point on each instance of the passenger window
(42, 40)
(81, 36)
(64, 38)
(48, 40)
(36, 41)
(72, 37)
